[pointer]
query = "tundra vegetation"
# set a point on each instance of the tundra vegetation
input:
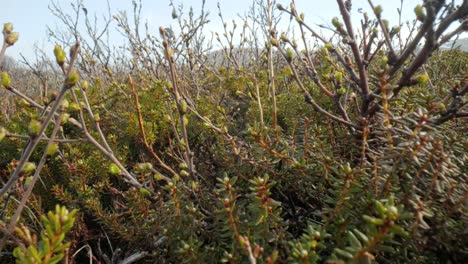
(264, 143)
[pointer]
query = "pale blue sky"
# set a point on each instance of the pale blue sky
(30, 17)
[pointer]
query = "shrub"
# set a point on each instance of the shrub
(267, 150)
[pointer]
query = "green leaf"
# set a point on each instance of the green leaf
(62, 247)
(2, 133)
(373, 220)
(55, 259)
(353, 240)
(399, 230)
(34, 254)
(114, 169)
(361, 236)
(343, 253)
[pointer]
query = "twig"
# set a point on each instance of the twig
(34, 141)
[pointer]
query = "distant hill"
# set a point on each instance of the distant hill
(461, 44)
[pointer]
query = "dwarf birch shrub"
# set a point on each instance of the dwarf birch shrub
(287, 146)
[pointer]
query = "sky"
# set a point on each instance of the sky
(31, 17)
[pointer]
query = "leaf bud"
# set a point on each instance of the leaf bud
(6, 81)
(284, 38)
(96, 117)
(52, 149)
(158, 176)
(378, 10)
(74, 107)
(65, 118)
(289, 54)
(34, 127)
(338, 76)
(114, 169)
(12, 38)
(7, 28)
(383, 61)
(183, 166)
(336, 22)
(420, 15)
(183, 106)
(29, 167)
(274, 42)
(59, 55)
(144, 192)
(184, 173)
(72, 79)
(2, 133)
(85, 85)
(422, 78)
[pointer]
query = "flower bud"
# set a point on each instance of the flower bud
(52, 149)
(293, 7)
(7, 28)
(392, 212)
(143, 167)
(184, 173)
(274, 42)
(383, 61)
(194, 185)
(422, 78)
(158, 176)
(2, 133)
(85, 85)
(170, 54)
(347, 169)
(59, 55)
(29, 167)
(289, 54)
(64, 118)
(34, 127)
(65, 104)
(183, 107)
(420, 15)
(96, 117)
(442, 107)
(6, 81)
(284, 38)
(72, 79)
(114, 169)
(74, 107)
(378, 10)
(12, 38)
(338, 76)
(385, 23)
(294, 43)
(395, 30)
(336, 22)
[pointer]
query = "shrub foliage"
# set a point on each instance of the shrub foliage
(276, 147)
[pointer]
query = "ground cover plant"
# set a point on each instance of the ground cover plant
(259, 144)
